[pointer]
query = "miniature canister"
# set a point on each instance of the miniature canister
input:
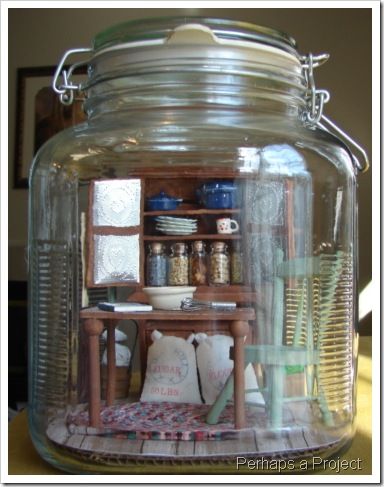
(219, 265)
(156, 265)
(178, 265)
(198, 269)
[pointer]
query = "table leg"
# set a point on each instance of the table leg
(93, 328)
(142, 325)
(111, 362)
(239, 330)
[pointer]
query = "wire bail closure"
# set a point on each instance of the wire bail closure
(66, 89)
(316, 99)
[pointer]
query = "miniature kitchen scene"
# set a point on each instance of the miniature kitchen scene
(192, 255)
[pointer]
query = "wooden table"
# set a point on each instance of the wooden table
(95, 321)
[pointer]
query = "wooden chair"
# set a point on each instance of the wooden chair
(275, 358)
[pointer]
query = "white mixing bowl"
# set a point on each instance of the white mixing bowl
(168, 297)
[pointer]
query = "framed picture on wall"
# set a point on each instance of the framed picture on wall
(40, 115)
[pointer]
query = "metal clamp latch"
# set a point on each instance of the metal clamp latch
(316, 100)
(67, 88)
(329, 126)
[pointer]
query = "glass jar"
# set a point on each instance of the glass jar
(156, 265)
(219, 265)
(173, 103)
(198, 264)
(178, 265)
(237, 274)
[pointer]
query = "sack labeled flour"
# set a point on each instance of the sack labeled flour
(171, 370)
(215, 366)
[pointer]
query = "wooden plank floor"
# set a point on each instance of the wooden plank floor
(296, 441)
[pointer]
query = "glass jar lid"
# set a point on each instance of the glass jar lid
(153, 30)
(210, 46)
(170, 43)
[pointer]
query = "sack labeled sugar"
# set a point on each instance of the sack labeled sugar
(215, 366)
(171, 370)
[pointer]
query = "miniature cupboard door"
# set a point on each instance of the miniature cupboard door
(115, 233)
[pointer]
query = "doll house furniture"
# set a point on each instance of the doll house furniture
(119, 228)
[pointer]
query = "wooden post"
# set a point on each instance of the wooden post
(142, 327)
(239, 330)
(111, 363)
(93, 329)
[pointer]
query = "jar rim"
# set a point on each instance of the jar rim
(149, 30)
(219, 51)
(196, 44)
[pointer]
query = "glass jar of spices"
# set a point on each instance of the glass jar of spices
(198, 264)
(237, 270)
(178, 265)
(156, 265)
(219, 265)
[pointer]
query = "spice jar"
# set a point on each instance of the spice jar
(156, 265)
(198, 264)
(237, 274)
(219, 265)
(178, 265)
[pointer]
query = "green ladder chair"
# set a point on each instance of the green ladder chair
(277, 357)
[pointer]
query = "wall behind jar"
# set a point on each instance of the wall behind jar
(38, 37)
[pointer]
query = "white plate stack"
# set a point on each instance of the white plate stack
(170, 225)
